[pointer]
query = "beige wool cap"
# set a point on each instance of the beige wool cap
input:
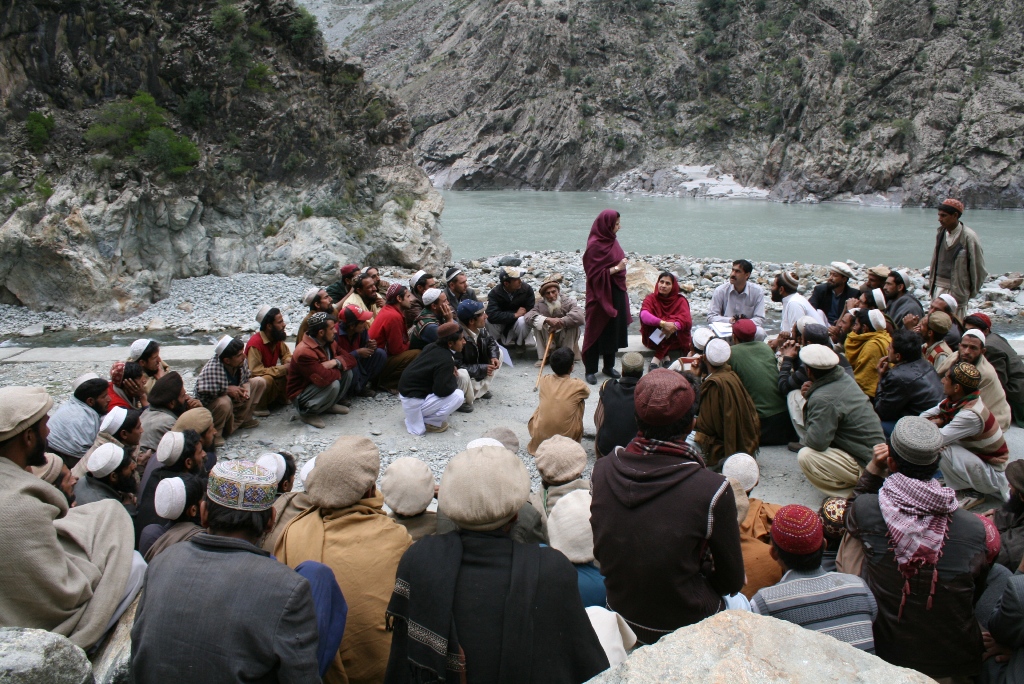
(819, 357)
(344, 472)
(842, 268)
(484, 488)
(504, 435)
(569, 529)
(407, 486)
(20, 408)
(560, 459)
(198, 419)
(879, 270)
(940, 322)
(51, 471)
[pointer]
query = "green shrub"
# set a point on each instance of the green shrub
(258, 78)
(853, 50)
(169, 152)
(374, 113)
(996, 26)
(334, 207)
(239, 54)
(194, 108)
(122, 126)
(848, 129)
(307, 211)
(402, 214)
(38, 127)
(101, 162)
(259, 32)
(19, 201)
(227, 18)
(720, 50)
(704, 39)
(571, 75)
(838, 61)
(405, 201)
(295, 160)
(943, 22)
(618, 143)
(718, 77)
(43, 187)
(303, 25)
(271, 230)
(587, 110)
(231, 164)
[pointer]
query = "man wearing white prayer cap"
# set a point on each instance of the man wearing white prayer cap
(228, 390)
(75, 424)
(420, 282)
(972, 350)
(75, 569)
(110, 475)
(840, 427)
(901, 305)
(177, 499)
(727, 419)
(290, 502)
(268, 357)
(435, 312)
(830, 296)
(121, 427)
(317, 299)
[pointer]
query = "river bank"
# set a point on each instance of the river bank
(198, 310)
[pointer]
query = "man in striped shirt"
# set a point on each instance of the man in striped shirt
(833, 603)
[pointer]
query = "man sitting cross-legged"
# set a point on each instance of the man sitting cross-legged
(561, 403)
(558, 314)
(429, 387)
(268, 357)
(226, 388)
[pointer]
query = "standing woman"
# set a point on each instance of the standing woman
(666, 309)
(607, 309)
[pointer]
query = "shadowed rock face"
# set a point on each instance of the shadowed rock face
(818, 99)
(302, 165)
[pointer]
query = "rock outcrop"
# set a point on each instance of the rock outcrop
(883, 101)
(737, 646)
(259, 150)
(32, 656)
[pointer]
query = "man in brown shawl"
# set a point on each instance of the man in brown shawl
(70, 571)
(348, 530)
(727, 420)
(558, 314)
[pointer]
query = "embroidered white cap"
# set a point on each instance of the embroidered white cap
(169, 500)
(105, 459)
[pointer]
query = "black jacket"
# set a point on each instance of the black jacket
(619, 426)
(908, 389)
(502, 306)
(432, 372)
(454, 299)
(824, 298)
(476, 356)
(944, 641)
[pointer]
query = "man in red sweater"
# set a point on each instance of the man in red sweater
(392, 335)
(317, 378)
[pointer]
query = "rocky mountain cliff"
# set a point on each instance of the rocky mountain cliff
(146, 141)
(812, 99)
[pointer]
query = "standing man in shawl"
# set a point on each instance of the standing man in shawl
(866, 347)
(226, 388)
(507, 305)
(74, 426)
(727, 420)
(657, 511)
(923, 556)
(830, 296)
(607, 308)
(974, 452)
(341, 288)
(901, 305)
(497, 610)
(558, 314)
(390, 332)
(347, 529)
(268, 357)
(958, 261)
(739, 299)
(70, 571)
(667, 313)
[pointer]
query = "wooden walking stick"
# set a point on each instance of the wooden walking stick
(551, 336)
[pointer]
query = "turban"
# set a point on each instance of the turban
(951, 206)
(482, 489)
(241, 485)
(560, 460)
(717, 352)
(104, 460)
(344, 472)
(818, 357)
(916, 440)
(198, 419)
(21, 408)
(662, 397)
(569, 527)
(797, 530)
(169, 500)
(742, 468)
(744, 330)
(966, 375)
(137, 349)
(407, 486)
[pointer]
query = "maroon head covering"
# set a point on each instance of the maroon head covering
(603, 252)
(670, 307)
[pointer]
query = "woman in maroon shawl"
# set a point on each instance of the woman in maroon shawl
(607, 308)
(667, 310)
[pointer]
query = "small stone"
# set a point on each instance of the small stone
(34, 330)
(1011, 283)
(376, 433)
(509, 261)
(186, 307)
(157, 324)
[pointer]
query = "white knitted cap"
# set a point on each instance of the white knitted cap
(974, 332)
(138, 346)
(262, 313)
(701, 337)
(85, 377)
(222, 344)
(430, 296)
(310, 295)
(105, 460)
(717, 352)
(275, 463)
(950, 301)
(569, 527)
(306, 470)
(168, 451)
(169, 500)
(113, 420)
(742, 468)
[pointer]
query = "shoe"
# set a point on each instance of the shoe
(314, 420)
(338, 410)
(591, 378)
(368, 393)
(612, 373)
(655, 364)
(218, 442)
(486, 395)
(465, 408)
(251, 423)
(345, 402)
(261, 413)
(795, 446)
(969, 498)
(437, 428)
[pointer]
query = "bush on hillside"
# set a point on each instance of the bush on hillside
(38, 127)
(303, 26)
(123, 126)
(171, 153)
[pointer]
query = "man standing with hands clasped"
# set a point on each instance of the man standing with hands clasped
(958, 262)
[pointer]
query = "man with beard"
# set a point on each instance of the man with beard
(555, 313)
(381, 285)
(146, 353)
(56, 472)
(973, 350)
(317, 377)
(74, 569)
(363, 296)
(877, 276)
(830, 297)
(933, 328)
(420, 282)
(901, 305)
(178, 452)
(946, 304)
(794, 305)
(227, 389)
(458, 289)
(74, 426)
(1005, 360)
(110, 475)
(507, 306)
(738, 299)
(317, 299)
(167, 401)
(268, 358)
(391, 333)
(340, 289)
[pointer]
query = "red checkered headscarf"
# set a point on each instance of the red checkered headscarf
(797, 529)
(117, 373)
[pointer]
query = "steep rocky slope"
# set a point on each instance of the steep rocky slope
(146, 141)
(824, 99)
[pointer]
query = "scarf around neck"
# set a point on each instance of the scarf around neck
(642, 446)
(948, 409)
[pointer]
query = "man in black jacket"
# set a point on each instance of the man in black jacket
(480, 358)
(457, 289)
(907, 384)
(830, 297)
(615, 418)
(429, 386)
(507, 306)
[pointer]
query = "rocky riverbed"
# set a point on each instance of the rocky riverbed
(198, 308)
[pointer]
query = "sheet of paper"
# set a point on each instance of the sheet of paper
(722, 329)
(505, 356)
(657, 336)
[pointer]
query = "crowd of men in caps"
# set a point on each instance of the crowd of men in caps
(896, 413)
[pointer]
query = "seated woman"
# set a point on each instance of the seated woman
(666, 311)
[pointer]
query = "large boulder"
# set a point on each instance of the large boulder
(35, 656)
(641, 279)
(737, 646)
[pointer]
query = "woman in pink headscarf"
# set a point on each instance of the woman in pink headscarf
(607, 308)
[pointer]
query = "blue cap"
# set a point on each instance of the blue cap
(468, 309)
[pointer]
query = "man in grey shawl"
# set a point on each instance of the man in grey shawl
(75, 571)
(74, 426)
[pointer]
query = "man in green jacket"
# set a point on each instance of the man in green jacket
(958, 262)
(842, 427)
(754, 362)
